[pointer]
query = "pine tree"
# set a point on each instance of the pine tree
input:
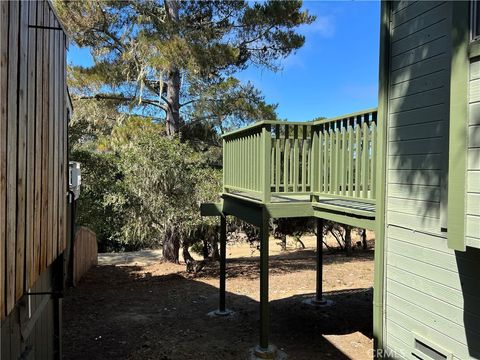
(175, 61)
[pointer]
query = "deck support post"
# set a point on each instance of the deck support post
(319, 288)
(223, 260)
(222, 310)
(265, 350)
(318, 300)
(264, 310)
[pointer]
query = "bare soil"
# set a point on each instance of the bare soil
(158, 311)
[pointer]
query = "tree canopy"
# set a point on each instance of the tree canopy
(175, 61)
(165, 68)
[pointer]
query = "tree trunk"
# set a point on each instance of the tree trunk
(171, 247)
(283, 241)
(205, 250)
(173, 98)
(215, 252)
(364, 239)
(299, 241)
(348, 240)
(186, 254)
(173, 80)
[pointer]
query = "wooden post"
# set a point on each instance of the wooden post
(314, 163)
(266, 163)
(264, 310)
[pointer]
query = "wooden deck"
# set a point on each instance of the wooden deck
(367, 208)
(354, 212)
(324, 168)
(275, 198)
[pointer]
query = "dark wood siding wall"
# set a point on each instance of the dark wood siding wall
(33, 153)
(29, 331)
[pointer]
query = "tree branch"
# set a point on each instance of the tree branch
(123, 99)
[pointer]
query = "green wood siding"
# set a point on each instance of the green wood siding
(418, 114)
(472, 230)
(430, 290)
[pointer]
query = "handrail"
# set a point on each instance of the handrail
(347, 116)
(262, 123)
(282, 122)
(244, 129)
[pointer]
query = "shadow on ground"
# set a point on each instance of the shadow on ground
(121, 313)
(284, 263)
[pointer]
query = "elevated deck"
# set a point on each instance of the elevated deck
(325, 169)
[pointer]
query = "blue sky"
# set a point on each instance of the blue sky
(334, 73)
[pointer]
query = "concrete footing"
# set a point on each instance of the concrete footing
(270, 353)
(324, 303)
(219, 313)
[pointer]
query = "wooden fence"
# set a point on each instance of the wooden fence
(85, 252)
(33, 145)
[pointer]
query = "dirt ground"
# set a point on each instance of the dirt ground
(158, 311)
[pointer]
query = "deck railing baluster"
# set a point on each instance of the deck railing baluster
(277, 158)
(304, 159)
(286, 162)
(314, 170)
(309, 164)
(272, 163)
(321, 139)
(358, 153)
(253, 170)
(344, 162)
(296, 161)
(326, 165)
(242, 144)
(337, 161)
(266, 146)
(256, 161)
(332, 162)
(224, 159)
(350, 159)
(373, 150)
(247, 162)
(365, 151)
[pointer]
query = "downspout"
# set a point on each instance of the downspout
(384, 66)
(71, 239)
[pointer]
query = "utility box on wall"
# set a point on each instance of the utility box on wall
(75, 178)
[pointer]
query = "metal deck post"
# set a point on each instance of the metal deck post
(318, 300)
(223, 260)
(264, 311)
(222, 310)
(319, 289)
(265, 350)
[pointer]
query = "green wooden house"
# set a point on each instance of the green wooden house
(409, 170)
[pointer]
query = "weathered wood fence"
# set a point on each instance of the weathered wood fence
(33, 145)
(85, 252)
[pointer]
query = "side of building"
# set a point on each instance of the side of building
(429, 288)
(33, 178)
